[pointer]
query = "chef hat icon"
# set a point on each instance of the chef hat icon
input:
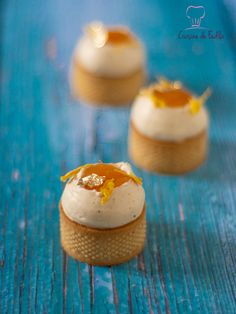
(195, 14)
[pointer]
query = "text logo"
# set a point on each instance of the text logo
(195, 15)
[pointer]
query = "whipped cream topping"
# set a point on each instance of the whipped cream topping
(84, 206)
(168, 123)
(110, 59)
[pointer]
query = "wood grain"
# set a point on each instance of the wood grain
(189, 261)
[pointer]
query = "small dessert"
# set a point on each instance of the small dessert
(108, 65)
(169, 128)
(102, 214)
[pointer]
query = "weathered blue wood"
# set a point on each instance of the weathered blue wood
(188, 265)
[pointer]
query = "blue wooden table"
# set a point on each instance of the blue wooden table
(189, 261)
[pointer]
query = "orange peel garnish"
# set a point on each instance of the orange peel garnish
(106, 190)
(196, 103)
(73, 173)
(130, 175)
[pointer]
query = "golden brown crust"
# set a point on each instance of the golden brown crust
(167, 157)
(102, 246)
(102, 91)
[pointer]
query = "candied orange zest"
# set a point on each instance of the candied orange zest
(106, 190)
(72, 173)
(196, 103)
(131, 176)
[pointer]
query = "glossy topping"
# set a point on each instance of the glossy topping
(118, 36)
(171, 98)
(173, 95)
(110, 172)
(92, 181)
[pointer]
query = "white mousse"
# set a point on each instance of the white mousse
(84, 206)
(168, 123)
(111, 60)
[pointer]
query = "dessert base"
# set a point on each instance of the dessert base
(102, 246)
(167, 157)
(102, 91)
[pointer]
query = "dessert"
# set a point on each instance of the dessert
(102, 214)
(168, 128)
(108, 65)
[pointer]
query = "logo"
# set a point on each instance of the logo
(196, 14)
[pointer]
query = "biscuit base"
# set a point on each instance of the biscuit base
(102, 91)
(102, 246)
(167, 157)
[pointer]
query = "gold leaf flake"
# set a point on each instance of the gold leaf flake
(92, 180)
(163, 84)
(98, 33)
